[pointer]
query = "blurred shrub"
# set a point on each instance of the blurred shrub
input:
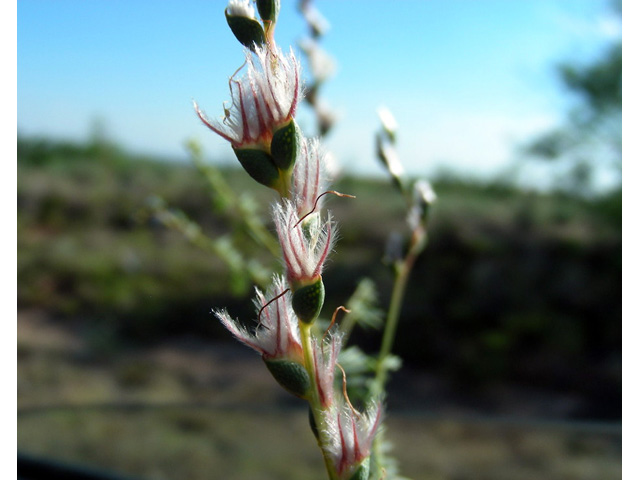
(514, 286)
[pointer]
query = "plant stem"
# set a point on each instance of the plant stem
(391, 324)
(314, 400)
(403, 270)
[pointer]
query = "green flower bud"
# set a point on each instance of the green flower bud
(285, 145)
(307, 301)
(247, 30)
(290, 375)
(268, 9)
(259, 165)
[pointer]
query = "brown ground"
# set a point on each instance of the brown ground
(214, 408)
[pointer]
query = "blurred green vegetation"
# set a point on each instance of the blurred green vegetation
(515, 286)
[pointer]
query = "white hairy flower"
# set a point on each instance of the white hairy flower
(309, 178)
(350, 435)
(262, 100)
(306, 242)
(325, 359)
(276, 334)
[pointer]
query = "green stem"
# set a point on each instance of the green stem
(403, 270)
(314, 400)
(391, 324)
(418, 243)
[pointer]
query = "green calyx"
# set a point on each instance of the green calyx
(268, 10)
(313, 425)
(285, 145)
(307, 301)
(362, 473)
(259, 165)
(247, 30)
(292, 376)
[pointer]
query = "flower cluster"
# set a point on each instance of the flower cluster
(310, 178)
(260, 126)
(306, 242)
(262, 101)
(352, 434)
(276, 334)
(260, 123)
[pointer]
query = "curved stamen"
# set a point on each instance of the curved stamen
(269, 303)
(238, 70)
(344, 391)
(315, 205)
(333, 320)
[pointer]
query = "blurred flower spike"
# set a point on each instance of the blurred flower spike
(423, 197)
(259, 123)
(385, 147)
(314, 18)
(389, 124)
(352, 434)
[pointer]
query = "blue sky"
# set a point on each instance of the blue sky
(467, 81)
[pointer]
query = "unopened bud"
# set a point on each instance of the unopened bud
(292, 376)
(268, 10)
(244, 26)
(307, 301)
